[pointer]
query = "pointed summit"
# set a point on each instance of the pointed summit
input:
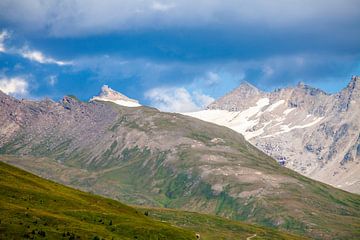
(246, 90)
(301, 84)
(303, 87)
(354, 83)
(352, 90)
(240, 98)
(247, 87)
(108, 94)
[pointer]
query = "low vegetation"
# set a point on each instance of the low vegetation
(35, 208)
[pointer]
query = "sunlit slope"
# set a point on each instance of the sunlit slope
(215, 228)
(35, 207)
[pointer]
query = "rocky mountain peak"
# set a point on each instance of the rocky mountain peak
(307, 89)
(240, 98)
(304, 128)
(349, 96)
(354, 83)
(301, 84)
(108, 94)
(69, 102)
(247, 88)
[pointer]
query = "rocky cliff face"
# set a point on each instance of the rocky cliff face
(140, 155)
(304, 128)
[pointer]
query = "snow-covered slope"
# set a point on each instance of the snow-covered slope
(247, 122)
(108, 94)
(306, 129)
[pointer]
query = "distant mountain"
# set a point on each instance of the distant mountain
(108, 94)
(142, 156)
(307, 130)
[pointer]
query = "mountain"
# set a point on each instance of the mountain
(108, 94)
(307, 130)
(32, 207)
(143, 156)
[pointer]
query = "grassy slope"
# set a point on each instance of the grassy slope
(35, 207)
(31, 205)
(213, 227)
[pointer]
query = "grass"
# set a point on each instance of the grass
(215, 228)
(32, 207)
(35, 208)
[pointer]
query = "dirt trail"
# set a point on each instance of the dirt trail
(249, 238)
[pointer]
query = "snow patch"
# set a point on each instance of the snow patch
(287, 111)
(275, 105)
(109, 95)
(238, 121)
(286, 128)
(119, 102)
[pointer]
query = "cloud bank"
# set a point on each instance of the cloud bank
(77, 17)
(177, 99)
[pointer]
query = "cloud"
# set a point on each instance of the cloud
(77, 17)
(177, 99)
(211, 78)
(39, 57)
(162, 7)
(202, 100)
(3, 36)
(16, 86)
(26, 52)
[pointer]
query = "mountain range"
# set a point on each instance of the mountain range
(306, 129)
(142, 156)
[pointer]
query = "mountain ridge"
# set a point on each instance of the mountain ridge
(304, 128)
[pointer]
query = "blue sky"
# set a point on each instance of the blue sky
(175, 55)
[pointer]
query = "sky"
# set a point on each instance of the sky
(175, 55)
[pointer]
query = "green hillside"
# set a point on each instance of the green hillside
(35, 208)
(215, 228)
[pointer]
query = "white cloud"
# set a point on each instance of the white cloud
(3, 36)
(212, 78)
(202, 100)
(39, 57)
(25, 52)
(14, 86)
(162, 7)
(176, 99)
